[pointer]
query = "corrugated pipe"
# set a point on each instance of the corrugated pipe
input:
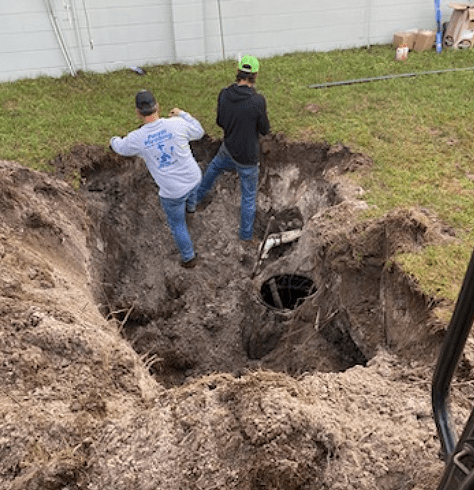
(387, 77)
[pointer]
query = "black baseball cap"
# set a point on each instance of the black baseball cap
(145, 102)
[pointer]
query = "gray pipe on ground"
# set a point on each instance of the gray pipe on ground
(387, 77)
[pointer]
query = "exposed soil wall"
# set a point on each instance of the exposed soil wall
(123, 370)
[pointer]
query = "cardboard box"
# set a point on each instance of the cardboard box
(424, 40)
(405, 37)
(460, 29)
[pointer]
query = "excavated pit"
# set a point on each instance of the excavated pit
(222, 316)
(330, 391)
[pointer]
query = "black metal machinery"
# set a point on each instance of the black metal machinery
(459, 455)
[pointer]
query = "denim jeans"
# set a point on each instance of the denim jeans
(175, 210)
(248, 177)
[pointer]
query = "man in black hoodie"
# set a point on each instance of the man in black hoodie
(242, 114)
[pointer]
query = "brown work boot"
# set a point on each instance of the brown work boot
(252, 243)
(190, 264)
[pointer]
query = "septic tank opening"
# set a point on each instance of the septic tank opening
(286, 291)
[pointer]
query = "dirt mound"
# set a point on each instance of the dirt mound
(123, 370)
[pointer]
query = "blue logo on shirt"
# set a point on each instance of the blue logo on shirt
(158, 141)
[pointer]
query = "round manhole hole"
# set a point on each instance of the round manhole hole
(286, 291)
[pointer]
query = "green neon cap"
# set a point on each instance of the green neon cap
(249, 64)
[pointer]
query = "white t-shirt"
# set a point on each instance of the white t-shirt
(164, 145)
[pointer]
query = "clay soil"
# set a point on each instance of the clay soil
(122, 370)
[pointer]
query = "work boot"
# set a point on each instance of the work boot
(201, 207)
(190, 264)
(252, 243)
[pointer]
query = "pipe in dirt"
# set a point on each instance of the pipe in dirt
(278, 239)
(273, 241)
(387, 77)
(275, 293)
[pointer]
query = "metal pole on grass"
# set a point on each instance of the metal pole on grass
(387, 77)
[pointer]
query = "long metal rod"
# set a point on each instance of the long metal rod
(453, 345)
(387, 77)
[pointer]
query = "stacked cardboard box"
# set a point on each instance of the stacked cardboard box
(460, 29)
(424, 40)
(405, 38)
(415, 40)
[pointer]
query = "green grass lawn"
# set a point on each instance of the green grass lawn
(418, 130)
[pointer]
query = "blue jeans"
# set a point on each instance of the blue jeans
(175, 210)
(248, 177)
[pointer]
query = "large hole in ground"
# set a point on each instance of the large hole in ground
(221, 316)
(286, 291)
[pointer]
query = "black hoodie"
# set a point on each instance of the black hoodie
(242, 114)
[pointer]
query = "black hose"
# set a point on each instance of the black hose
(468, 483)
(451, 351)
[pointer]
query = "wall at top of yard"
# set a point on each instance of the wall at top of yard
(52, 37)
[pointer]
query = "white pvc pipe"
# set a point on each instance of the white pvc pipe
(221, 30)
(368, 16)
(59, 37)
(277, 239)
(88, 23)
(78, 34)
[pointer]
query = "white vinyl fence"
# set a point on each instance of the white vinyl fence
(53, 37)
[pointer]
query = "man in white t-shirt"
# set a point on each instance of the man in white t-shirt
(164, 145)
